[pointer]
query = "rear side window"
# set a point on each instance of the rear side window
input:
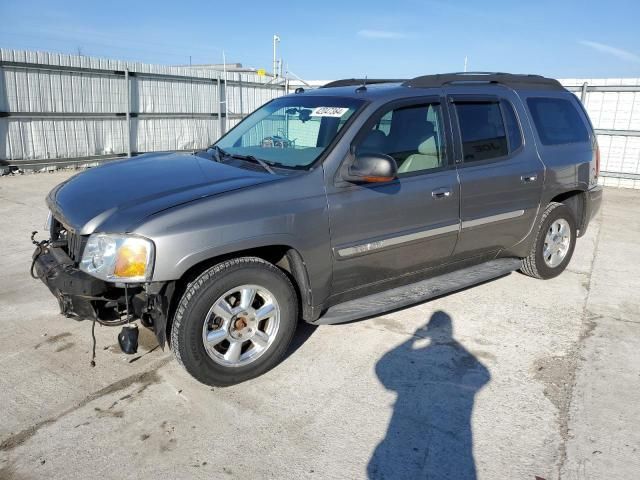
(557, 121)
(482, 130)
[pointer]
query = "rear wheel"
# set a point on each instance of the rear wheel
(235, 321)
(554, 244)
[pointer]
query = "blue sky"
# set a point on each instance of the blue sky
(330, 39)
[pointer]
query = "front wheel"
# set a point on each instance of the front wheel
(554, 244)
(235, 321)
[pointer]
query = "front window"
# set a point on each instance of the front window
(412, 135)
(290, 131)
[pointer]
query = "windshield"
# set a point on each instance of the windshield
(290, 131)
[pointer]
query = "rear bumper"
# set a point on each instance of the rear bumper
(593, 203)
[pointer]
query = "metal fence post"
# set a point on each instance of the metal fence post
(128, 110)
(222, 104)
(241, 112)
(583, 93)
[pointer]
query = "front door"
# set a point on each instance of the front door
(382, 231)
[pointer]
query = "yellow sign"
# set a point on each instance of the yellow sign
(262, 72)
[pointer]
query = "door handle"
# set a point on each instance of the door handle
(528, 178)
(441, 193)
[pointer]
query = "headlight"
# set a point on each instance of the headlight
(49, 223)
(118, 258)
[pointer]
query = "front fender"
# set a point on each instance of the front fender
(292, 213)
(192, 259)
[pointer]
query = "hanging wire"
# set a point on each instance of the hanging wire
(40, 247)
(93, 338)
(126, 302)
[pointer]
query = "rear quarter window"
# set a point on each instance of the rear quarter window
(557, 121)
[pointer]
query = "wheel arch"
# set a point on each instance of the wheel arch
(285, 257)
(576, 201)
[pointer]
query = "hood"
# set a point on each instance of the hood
(116, 196)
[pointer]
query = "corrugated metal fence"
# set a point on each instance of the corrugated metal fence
(63, 109)
(614, 108)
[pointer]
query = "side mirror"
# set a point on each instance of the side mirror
(372, 168)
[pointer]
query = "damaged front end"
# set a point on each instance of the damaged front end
(84, 297)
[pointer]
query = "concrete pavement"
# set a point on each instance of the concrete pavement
(521, 378)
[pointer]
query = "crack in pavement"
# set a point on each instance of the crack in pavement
(16, 202)
(588, 325)
(146, 378)
(624, 320)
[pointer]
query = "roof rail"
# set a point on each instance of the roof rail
(348, 82)
(508, 79)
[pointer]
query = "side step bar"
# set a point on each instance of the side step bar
(413, 293)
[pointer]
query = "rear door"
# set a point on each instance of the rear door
(501, 175)
(381, 231)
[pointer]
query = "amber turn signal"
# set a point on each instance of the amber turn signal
(131, 260)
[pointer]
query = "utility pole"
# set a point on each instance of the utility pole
(276, 39)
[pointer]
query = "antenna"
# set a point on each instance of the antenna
(363, 87)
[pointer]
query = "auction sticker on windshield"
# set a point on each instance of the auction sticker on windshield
(329, 111)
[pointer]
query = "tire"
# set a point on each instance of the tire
(206, 307)
(535, 265)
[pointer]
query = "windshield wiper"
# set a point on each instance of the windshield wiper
(253, 159)
(220, 153)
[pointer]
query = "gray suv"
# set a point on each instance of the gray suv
(328, 206)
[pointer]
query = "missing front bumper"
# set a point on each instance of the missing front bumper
(74, 289)
(83, 297)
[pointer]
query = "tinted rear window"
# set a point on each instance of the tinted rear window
(482, 130)
(557, 121)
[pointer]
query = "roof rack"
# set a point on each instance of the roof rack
(348, 82)
(508, 79)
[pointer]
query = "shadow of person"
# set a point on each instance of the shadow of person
(429, 435)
